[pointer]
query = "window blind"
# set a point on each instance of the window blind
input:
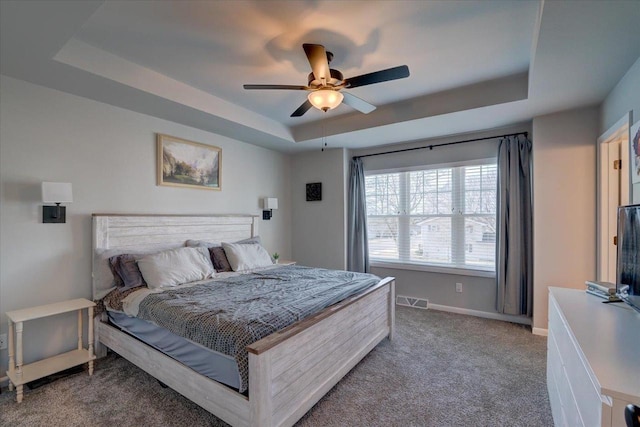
(440, 216)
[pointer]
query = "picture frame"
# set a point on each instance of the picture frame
(184, 163)
(634, 153)
(314, 192)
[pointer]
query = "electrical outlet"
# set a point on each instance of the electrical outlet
(3, 341)
(458, 287)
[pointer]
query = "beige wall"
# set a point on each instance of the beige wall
(319, 228)
(564, 203)
(109, 156)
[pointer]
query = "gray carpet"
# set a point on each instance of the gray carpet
(443, 369)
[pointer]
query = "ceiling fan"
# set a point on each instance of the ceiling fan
(325, 84)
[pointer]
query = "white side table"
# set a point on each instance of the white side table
(20, 374)
(286, 262)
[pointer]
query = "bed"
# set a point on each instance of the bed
(288, 370)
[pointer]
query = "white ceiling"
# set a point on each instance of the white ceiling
(475, 65)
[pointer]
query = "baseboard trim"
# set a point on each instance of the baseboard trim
(540, 331)
(484, 314)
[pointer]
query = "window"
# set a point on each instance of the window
(443, 217)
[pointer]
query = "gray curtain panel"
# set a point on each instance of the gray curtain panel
(514, 264)
(357, 245)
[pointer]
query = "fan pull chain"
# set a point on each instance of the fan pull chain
(323, 141)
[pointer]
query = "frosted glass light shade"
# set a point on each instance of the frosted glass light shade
(57, 192)
(325, 99)
(270, 203)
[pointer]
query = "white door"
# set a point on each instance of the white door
(613, 191)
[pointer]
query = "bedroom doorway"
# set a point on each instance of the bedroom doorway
(613, 190)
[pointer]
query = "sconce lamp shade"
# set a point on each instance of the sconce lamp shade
(270, 203)
(57, 192)
(325, 99)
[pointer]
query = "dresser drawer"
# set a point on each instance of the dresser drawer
(588, 400)
(554, 375)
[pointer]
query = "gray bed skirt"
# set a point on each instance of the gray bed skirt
(203, 360)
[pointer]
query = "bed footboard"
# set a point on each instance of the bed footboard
(289, 371)
(216, 398)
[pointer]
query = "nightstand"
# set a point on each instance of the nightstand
(286, 262)
(20, 374)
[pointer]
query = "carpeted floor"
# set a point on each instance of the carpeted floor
(443, 369)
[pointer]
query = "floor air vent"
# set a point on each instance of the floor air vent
(412, 302)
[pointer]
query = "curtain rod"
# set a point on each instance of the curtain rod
(430, 147)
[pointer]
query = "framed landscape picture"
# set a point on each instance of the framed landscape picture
(183, 163)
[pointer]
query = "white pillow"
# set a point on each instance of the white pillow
(246, 256)
(171, 268)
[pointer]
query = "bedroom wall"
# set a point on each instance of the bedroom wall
(109, 156)
(624, 97)
(319, 228)
(564, 204)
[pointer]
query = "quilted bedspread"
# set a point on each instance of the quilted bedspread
(226, 315)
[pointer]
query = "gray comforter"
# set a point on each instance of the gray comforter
(228, 315)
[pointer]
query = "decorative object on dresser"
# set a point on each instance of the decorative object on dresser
(304, 360)
(593, 370)
(605, 290)
(56, 192)
(269, 204)
(183, 163)
(19, 373)
(314, 192)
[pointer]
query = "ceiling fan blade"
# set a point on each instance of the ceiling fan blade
(302, 109)
(317, 57)
(378, 77)
(357, 103)
(285, 87)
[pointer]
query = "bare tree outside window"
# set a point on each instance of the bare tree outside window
(414, 216)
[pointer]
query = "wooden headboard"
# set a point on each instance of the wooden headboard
(151, 233)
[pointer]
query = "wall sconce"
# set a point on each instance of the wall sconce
(55, 192)
(269, 203)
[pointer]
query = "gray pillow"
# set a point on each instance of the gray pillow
(127, 270)
(250, 241)
(201, 244)
(209, 244)
(219, 259)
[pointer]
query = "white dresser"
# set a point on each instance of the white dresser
(593, 359)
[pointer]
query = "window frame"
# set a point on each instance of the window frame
(457, 223)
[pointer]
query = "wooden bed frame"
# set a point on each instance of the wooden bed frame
(290, 370)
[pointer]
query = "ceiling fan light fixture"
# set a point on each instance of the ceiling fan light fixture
(325, 99)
